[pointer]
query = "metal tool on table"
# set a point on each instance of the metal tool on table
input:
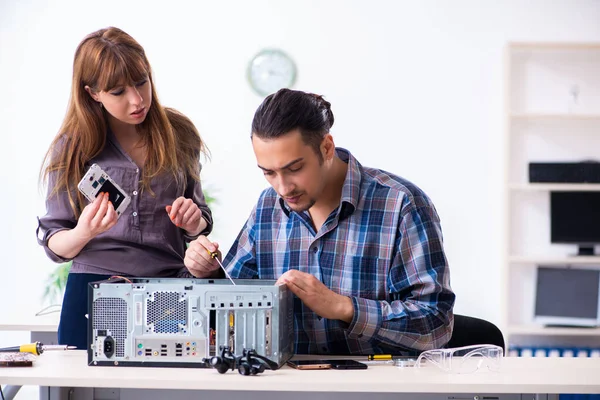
(36, 348)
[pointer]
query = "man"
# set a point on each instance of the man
(359, 247)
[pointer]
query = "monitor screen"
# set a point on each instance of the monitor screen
(575, 217)
(567, 295)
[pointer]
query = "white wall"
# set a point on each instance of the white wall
(416, 89)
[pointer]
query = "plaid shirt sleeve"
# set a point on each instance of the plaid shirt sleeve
(241, 258)
(419, 315)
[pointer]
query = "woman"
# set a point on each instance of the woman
(114, 119)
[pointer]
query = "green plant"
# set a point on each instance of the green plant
(209, 198)
(56, 282)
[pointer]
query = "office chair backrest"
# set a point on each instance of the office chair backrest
(469, 331)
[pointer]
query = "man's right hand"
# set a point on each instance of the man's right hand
(198, 257)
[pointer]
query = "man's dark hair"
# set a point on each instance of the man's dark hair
(288, 110)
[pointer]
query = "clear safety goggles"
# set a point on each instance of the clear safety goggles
(463, 360)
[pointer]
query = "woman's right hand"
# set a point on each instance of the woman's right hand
(198, 257)
(96, 218)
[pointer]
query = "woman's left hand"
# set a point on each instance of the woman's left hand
(185, 214)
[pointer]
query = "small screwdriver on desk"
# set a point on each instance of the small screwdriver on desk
(36, 348)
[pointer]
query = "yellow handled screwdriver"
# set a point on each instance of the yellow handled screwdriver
(36, 348)
(214, 255)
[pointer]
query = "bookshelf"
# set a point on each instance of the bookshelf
(534, 330)
(552, 114)
(555, 187)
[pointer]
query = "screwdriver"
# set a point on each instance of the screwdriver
(214, 255)
(36, 348)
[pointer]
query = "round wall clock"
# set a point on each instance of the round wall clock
(271, 70)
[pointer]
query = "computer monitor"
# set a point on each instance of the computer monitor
(567, 296)
(575, 219)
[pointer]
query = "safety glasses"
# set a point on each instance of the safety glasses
(463, 360)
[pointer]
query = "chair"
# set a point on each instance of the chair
(469, 331)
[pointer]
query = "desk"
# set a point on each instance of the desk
(517, 376)
(42, 328)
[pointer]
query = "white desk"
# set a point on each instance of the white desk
(517, 376)
(42, 328)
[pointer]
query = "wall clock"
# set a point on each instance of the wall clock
(270, 70)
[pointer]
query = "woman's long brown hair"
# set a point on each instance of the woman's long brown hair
(104, 60)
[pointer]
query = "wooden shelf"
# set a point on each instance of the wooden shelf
(554, 116)
(574, 260)
(545, 46)
(555, 187)
(537, 330)
(542, 80)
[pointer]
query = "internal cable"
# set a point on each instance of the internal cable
(120, 277)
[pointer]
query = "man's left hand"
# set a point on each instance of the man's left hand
(316, 296)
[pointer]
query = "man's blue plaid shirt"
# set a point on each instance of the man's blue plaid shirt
(382, 247)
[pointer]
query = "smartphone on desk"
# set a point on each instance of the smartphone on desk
(309, 364)
(346, 364)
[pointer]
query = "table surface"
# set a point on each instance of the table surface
(517, 375)
(29, 322)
